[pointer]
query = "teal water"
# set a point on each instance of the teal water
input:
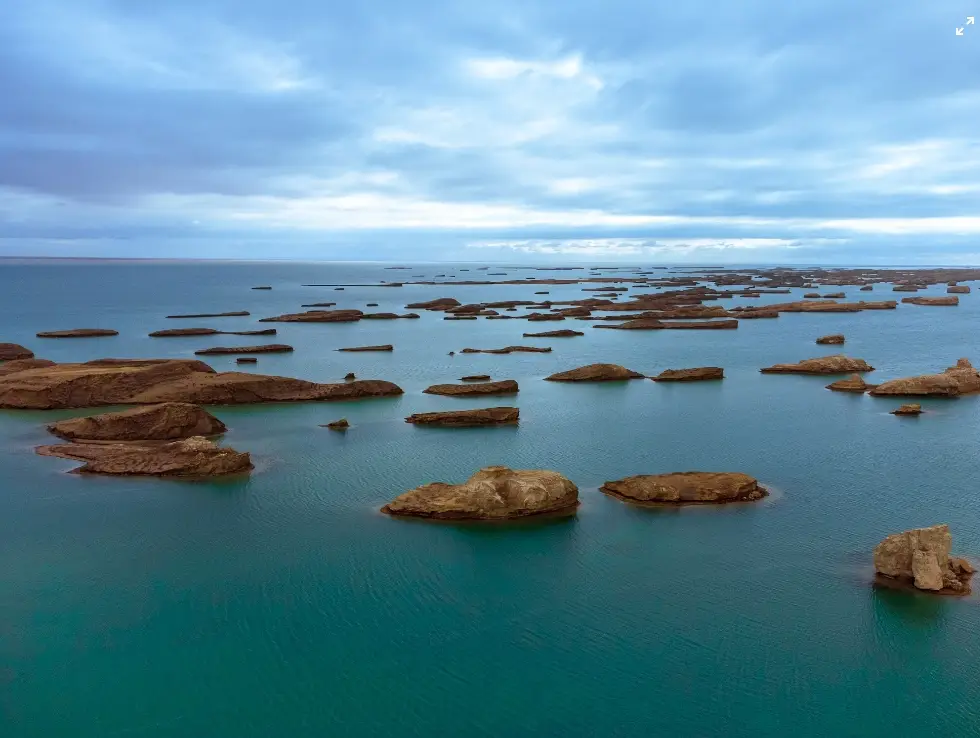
(285, 604)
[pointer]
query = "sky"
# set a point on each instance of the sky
(646, 131)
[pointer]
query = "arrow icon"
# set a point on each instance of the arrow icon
(970, 20)
(959, 31)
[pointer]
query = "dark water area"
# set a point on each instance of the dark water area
(284, 603)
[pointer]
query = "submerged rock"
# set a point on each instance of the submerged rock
(921, 557)
(595, 373)
(177, 332)
(493, 493)
(14, 352)
(690, 375)
(956, 380)
(836, 364)
(563, 333)
(912, 408)
(833, 340)
(269, 348)
(508, 350)
(467, 418)
(853, 383)
(167, 421)
(79, 333)
(687, 488)
(338, 425)
(385, 347)
(503, 387)
(192, 457)
(246, 360)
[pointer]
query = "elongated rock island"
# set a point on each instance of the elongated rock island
(467, 418)
(836, 364)
(687, 488)
(697, 374)
(79, 333)
(957, 380)
(503, 387)
(595, 373)
(269, 348)
(168, 421)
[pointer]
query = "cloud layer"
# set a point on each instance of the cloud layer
(818, 130)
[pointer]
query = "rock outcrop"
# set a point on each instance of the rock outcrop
(690, 375)
(912, 408)
(385, 347)
(503, 387)
(687, 488)
(921, 557)
(192, 457)
(563, 333)
(246, 360)
(441, 303)
(168, 421)
(22, 365)
(833, 340)
(956, 380)
(508, 350)
(836, 364)
(958, 289)
(178, 332)
(269, 348)
(493, 493)
(317, 316)
(940, 301)
(14, 352)
(234, 314)
(467, 418)
(475, 378)
(853, 383)
(338, 425)
(595, 373)
(79, 333)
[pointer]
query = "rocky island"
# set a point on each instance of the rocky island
(956, 380)
(921, 558)
(697, 374)
(167, 421)
(595, 373)
(467, 418)
(687, 488)
(836, 364)
(503, 387)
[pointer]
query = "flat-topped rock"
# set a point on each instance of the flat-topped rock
(563, 333)
(467, 418)
(508, 350)
(263, 287)
(167, 421)
(192, 457)
(79, 333)
(503, 387)
(388, 316)
(493, 493)
(317, 316)
(269, 348)
(595, 373)
(832, 340)
(178, 332)
(319, 305)
(690, 375)
(836, 364)
(687, 488)
(23, 365)
(958, 289)
(921, 558)
(246, 360)
(14, 352)
(912, 408)
(475, 378)
(385, 347)
(956, 380)
(236, 388)
(234, 314)
(946, 300)
(854, 383)
(440, 303)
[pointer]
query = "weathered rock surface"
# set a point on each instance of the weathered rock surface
(956, 380)
(467, 418)
(385, 347)
(14, 352)
(836, 364)
(236, 388)
(22, 365)
(921, 557)
(317, 316)
(338, 425)
(493, 493)
(508, 350)
(563, 333)
(235, 314)
(177, 332)
(853, 383)
(690, 375)
(687, 488)
(168, 421)
(191, 457)
(503, 387)
(440, 303)
(958, 289)
(269, 348)
(595, 373)
(940, 301)
(833, 340)
(912, 408)
(79, 333)
(388, 316)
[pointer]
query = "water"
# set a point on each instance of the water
(285, 604)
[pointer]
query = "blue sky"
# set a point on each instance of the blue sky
(753, 131)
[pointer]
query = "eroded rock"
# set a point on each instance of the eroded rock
(956, 380)
(503, 387)
(467, 418)
(690, 375)
(921, 557)
(167, 421)
(14, 352)
(687, 488)
(836, 364)
(595, 373)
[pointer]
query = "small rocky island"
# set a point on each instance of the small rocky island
(467, 418)
(912, 408)
(503, 387)
(191, 457)
(854, 383)
(595, 373)
(835, 339)
(493, 493)
(687, 488)
(956, 380)
(698, 374)
(921, 558)
(14, 352)
(168, 421)
(836, 364)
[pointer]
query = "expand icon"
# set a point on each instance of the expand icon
(970, 21)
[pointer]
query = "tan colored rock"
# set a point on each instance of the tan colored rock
(317, 316)
(595, 373)
(508, 350)
(690, 375)
(180, 332)
(832, 340)
(836, 364)
(687, 488)
(958, 289)
(385, 347)
(467, 418)
(269, 348)
(921, 557)
(493, 493)
(939, 301)
(167, 421)
(22, 365)
(854, 383)
(79, 333)
(441, 303)
(14, 352)
(503, 387)
(912, 408)
(191, 457)
(956, 380)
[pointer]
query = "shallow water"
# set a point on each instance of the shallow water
(285, 604)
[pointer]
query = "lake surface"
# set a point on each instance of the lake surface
(285, 604)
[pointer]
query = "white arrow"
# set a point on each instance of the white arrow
(959, 31)
(970, 20)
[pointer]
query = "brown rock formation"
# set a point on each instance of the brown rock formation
(563, 333)
(853, 383)
(956, 380)
(191, 457)
(595, 373)
(319, 305)
(503, 387)
(493, 493)
(167, 421)
(269, 348)
(79, 333)
(246, 360)
(22, 365)
(508, 350)
(475, 378)
(349, 376)
(690, 375)
(687, 488)
(867, 288)
(264, 287)
(921, 558)
(388, 316)
(237, 314)
(14, 352)
(337, 425)
(812, 295)
(833, 340)
(958, 289)
(939, 301)
(440, 303)
(385, 347)
(177, 332)
(836, 364)
(317, 316)
(912, 408)
(758, 314)
(834, 296)
(467, 418)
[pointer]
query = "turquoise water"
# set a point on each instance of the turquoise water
(285, 604)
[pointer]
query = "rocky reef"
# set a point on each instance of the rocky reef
(167, 421)
(687, 488)
(192, 457)
(503, 387)
(921, 557)
(467, 418)
(697, 374)
(269, 348)
(956, 380)
(836, 364)
(595, 373)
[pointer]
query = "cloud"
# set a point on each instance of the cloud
(820, 129)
